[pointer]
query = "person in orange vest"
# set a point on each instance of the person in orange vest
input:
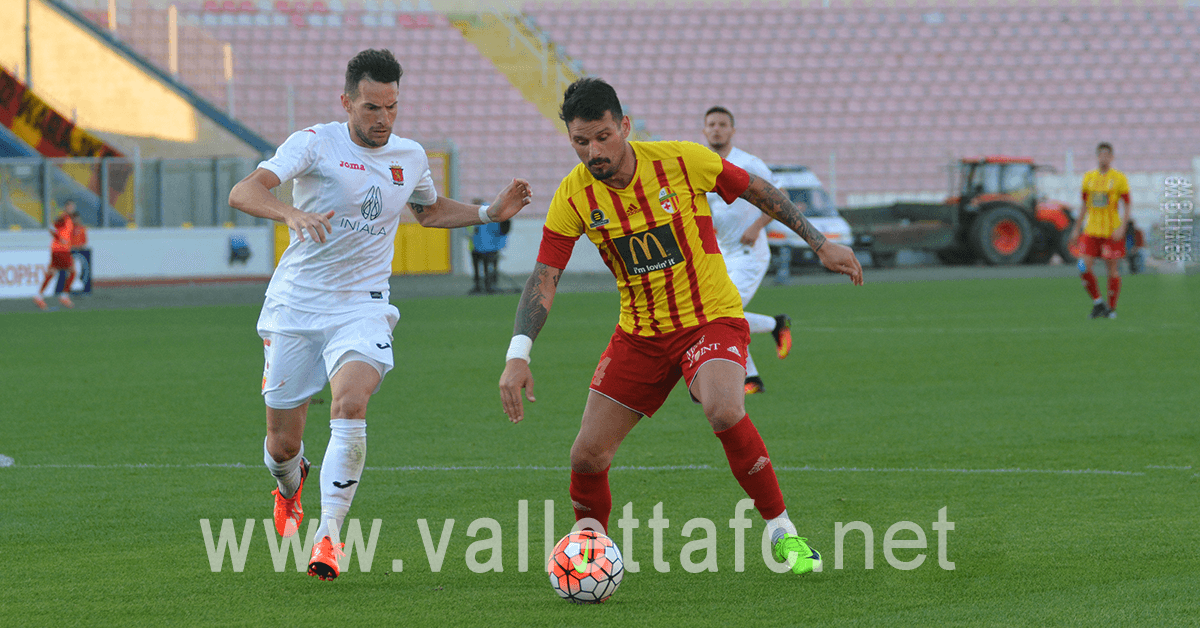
(68, 234)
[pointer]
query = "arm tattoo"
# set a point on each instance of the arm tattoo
(417, 209)
(536, 300)
(769, 199)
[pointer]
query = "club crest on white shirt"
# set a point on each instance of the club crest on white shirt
(372, 206)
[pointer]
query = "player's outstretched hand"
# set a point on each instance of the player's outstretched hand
(510, 200)
(841, 259)
(317, 225)
(516, 377)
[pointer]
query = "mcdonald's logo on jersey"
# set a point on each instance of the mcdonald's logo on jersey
(649, 251)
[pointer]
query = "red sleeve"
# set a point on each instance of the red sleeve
(556, 249)
(732, 182)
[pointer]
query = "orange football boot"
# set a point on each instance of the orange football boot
(288, 511)
(782, 335)
(324, 563)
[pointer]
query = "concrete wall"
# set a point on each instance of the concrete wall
(163, 254)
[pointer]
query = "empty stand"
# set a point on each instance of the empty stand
(895, 92)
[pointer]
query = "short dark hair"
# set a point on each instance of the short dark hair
(719, 109)
(588, 99)
(378, 65)
(1104, 146)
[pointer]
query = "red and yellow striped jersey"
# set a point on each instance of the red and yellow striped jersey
(656, 235)
(1101, 191)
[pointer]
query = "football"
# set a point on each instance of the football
(585, 567)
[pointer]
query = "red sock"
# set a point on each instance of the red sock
(1089, 282)
(748, 460)
(45, 283)
(590, 496)
(1114, 290)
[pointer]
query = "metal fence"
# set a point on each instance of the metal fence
(122, 192)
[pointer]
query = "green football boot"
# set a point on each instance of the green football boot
(799, 556)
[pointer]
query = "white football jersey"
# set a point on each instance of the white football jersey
(730, 221)
(366, 189)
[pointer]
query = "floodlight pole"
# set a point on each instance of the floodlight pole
(28, 48)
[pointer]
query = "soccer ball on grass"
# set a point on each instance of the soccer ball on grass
(585, 567)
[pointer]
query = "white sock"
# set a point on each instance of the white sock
(287, 473)
(760, 323)
(751, 369)
(343, 464)
(1098, 300)
(780, 526)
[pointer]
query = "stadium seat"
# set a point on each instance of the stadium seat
(801, 78)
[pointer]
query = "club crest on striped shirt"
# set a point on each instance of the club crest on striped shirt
(665, 197)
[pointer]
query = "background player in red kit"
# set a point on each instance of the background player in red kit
(68, 234)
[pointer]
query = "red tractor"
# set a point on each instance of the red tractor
(996, 216)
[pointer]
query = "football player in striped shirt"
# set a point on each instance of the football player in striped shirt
(1104, 234)
(643, 205)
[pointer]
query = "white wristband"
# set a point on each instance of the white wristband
(484, 218)
(519, 348)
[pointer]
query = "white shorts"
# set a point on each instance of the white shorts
(304, 350)
(746, 272)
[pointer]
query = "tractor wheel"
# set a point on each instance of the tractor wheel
(955, 256)
(1002, 235)
(1039, 255)
(1064, 249)
(1045, 244)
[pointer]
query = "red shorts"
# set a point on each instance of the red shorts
(61, 260)
(639, 372)
(1106, 248)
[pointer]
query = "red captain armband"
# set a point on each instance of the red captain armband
(732, 182)
(556, 249)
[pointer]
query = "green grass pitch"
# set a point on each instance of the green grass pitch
(1063, 449)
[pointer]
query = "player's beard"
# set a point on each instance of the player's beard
(602, 174)
(365, 137)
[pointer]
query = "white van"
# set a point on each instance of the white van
(805, 190)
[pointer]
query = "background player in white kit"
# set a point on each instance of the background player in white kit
(326, 316)
(739, 228)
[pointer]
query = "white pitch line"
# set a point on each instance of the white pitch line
(689, 467)
(919, 470)
(952, 330)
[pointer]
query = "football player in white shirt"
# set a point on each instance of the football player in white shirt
(326, 316)
(739, 228)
